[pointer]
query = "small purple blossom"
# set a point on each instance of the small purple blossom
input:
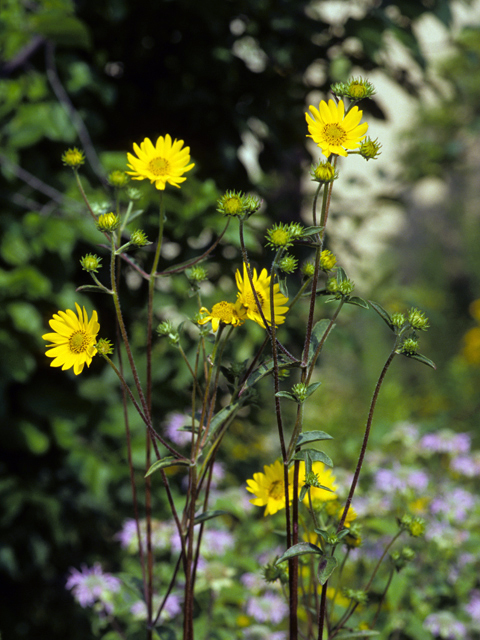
(173, 429)
(468, 466)
(445, 625)
(171, 609)
(91, 585)
(473, 607)
(388, 480)
(455, 506)
(417, 480)
(161, 534)
(269, 607)
(215, 542)
(446, 442)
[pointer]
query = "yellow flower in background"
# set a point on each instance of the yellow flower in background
(167, 161)
(261, 285)
(269, 488)
(332, 130)
(225, 312)
(73, 343)
(325, 477)
(471, 340)
(351, 516)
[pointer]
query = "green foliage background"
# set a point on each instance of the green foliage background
(132, 70)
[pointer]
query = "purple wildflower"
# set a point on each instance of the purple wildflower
(466, 465)
(446, 442)
(268, 607)
(173, 429)
(445, 625)
(91, 585)
(388, 480)
(473, 607)
(417, 480)
(456, 505)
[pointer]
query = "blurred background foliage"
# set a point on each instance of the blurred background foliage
(233, 80)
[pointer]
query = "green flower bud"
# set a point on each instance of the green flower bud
(108, 222)
(91, 263)
(232, 203)
(133, 194)
(296, 230)
(73, 158)
(139, 238)
(308, 269)
(409, 346)
(398, 319)
(356, 595)
(346, 287)
(279, 236)
(324, 172)
(118, 179)
(272, 572)
(166, 329)
(356, 89)
(288, 264)
(332, 285)
(104, 347)
(414, 525)
(197, 273)
(300, 391)
(418, 320)
(370, 149)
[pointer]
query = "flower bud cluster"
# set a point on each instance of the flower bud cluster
(238, 204)
(401, 558)
(272, 572)
(355, 89)
(356, 595)
(108, 222)
(414, 525)
(166, 329)
(324, 172)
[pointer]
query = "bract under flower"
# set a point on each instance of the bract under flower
(261, 284)
(167, 161)
(73, 343)
(332, 130)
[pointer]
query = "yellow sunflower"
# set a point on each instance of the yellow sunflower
(332, 130)
(269, 488)
(261, 285)
(73, 343)
(167, 161)
(325, 477)
(225, 312)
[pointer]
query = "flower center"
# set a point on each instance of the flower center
(159, 166)
(233, 206)
(224, 311)
(79, 342)
(276, 490)
(334, 134)
(280, 237)
(249, 299)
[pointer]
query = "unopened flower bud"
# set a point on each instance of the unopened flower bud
(73, 158)
(288, 264)
(139, 238)
(398, 319)
(91, 263)
(197, 273)
(300, 391)
(308, 269)
(327, 260)
(370, 149)
(118, 179)
(279, 236)
(409, 346)
(108, 222)
(324, 172)
(104, 347)
(418, 320)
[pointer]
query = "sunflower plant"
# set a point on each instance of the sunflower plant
(298, 488)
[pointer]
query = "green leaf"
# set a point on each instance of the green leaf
(62, 29)
(316, 456)
(265, 369)
(312, 387)
(360, 302)
(287, 395)
(312, 436)
(93, 288)
(169, 461)
(310, 231)
(300, 549)
(385, 316)
(420, 358)
(341, 275)
(208, 515)
(326, 567)
(318, 332)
